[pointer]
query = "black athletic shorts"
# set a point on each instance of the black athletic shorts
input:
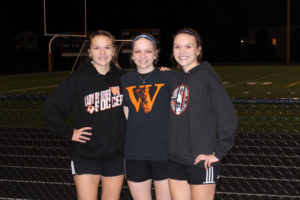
(104, 168)
(142, 170)
(195, 174)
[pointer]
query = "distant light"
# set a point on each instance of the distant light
(242, 41)
(274, 41)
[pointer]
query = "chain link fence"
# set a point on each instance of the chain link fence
(264, 164)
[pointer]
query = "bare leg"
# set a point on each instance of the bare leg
(111, 187)
(140, 190)
(203, 192)
(87, 186)
(162, 190)
(180, 190)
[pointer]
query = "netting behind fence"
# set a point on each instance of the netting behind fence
(268, 116)
(264, 163)
(280, 116)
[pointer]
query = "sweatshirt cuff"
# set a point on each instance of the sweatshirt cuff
(219, 156)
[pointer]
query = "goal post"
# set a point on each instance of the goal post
(56, 35)
(50, 53)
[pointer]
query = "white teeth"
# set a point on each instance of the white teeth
(183, 57)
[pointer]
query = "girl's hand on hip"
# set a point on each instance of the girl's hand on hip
(80, 135)
(208, 160)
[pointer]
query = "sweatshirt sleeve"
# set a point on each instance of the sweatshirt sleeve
(56, 109)
(226, 117)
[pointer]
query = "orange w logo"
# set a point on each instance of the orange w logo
(144, 98)
(115, 90)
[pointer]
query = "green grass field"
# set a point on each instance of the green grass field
(257, 81)
(245, 81)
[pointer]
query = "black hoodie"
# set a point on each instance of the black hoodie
(202, 117)
(93, 100)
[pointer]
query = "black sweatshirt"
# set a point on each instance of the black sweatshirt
(93, 100)
(202, 117)
(146, 134)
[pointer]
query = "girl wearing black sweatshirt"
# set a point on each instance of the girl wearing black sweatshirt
(92, 96)
(202, 122)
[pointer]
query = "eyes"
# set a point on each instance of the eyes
(105, 47)
(140, 51)
(184, 46)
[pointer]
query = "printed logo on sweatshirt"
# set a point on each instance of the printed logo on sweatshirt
(103, 100)
(143, 96)
(180, 99)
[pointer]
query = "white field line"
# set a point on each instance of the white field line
(253, 80)
(33, 88)
(259, 83)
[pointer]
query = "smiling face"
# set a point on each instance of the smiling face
(101, 51)
(143, 55)
(186, 51)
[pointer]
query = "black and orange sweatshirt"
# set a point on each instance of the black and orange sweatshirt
(91, 100)
(202, 117)
(147, 97)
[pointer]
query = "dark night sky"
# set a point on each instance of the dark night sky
(206, 16)
(216, 20)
